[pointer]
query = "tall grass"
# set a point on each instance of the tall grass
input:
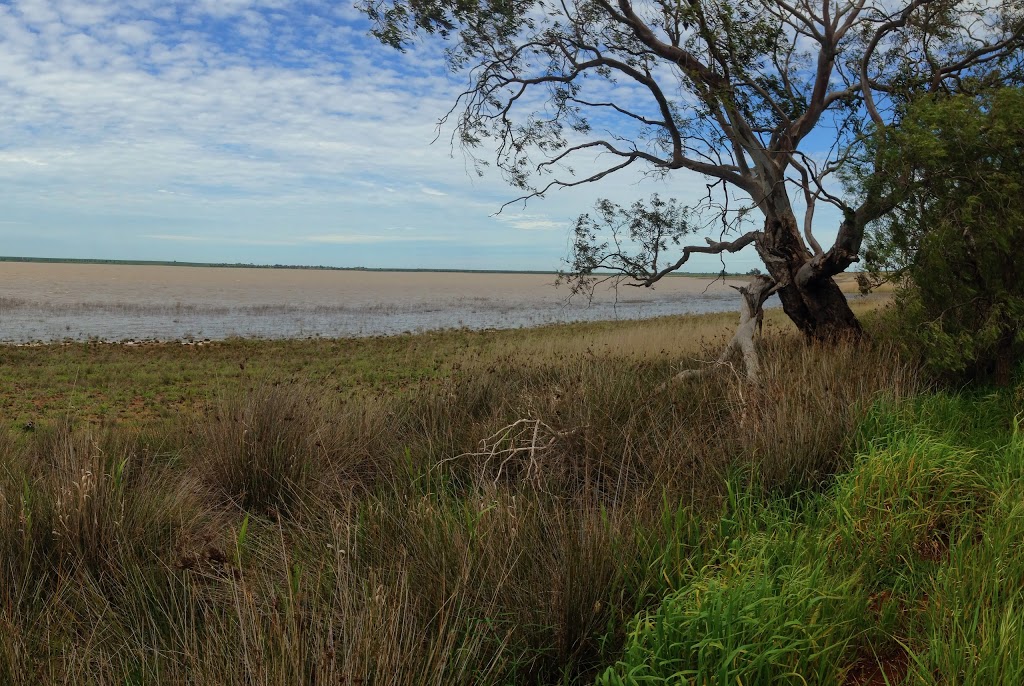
(499, 524)
(909, 569)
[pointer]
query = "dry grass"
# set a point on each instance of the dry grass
(496, 516)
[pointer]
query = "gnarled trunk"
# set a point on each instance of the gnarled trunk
(810, 297)
(821, 311)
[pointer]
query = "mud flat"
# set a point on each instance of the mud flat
(56, 301)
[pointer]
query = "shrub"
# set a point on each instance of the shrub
(955, 166)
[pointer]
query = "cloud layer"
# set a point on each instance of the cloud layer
(249, 131)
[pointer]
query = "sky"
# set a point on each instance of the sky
(256, 131)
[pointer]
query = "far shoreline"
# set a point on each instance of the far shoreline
(249, 265)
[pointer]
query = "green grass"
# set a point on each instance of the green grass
(910, 565)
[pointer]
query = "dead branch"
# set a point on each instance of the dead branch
(751, 316)
(526, 439)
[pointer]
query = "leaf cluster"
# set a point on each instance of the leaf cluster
(625, 242)
(956, 166)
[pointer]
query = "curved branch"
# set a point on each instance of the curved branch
(630, 159)
(712, 248)
(880, 33)
(623, 111)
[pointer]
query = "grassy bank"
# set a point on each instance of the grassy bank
(106, 384)
(513, 507)
(908, 569)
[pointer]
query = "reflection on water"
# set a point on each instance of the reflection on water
(52, 302)
(25, 321)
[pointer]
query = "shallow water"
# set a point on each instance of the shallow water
(52, 302)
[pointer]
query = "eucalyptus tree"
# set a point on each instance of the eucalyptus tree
(768, 100)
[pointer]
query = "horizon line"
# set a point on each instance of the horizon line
(250, 265)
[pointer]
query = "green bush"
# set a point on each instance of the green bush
(909, 569)
(954, 167)
(749, 621)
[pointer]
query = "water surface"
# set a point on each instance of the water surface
(52, 302)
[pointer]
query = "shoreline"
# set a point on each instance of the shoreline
(247, 265)
(53, 302)
(57, 301)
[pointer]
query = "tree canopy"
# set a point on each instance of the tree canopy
(766, 99)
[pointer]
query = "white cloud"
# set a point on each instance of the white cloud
(135, 34)
(364, 239)
(83, 14)
(140, 117)
(222, 240)
(177, 237)
(36, 12)
(21, 159)
(532, 222)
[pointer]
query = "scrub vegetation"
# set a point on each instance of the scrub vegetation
(504, 507)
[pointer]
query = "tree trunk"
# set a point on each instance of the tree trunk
(752, 300)
(817, 306)
(820, 312)
(1002, 368)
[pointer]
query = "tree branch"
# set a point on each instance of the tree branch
(712, 248)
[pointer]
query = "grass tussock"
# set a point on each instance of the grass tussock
(498, 516)
(909, 569)
(260, 449)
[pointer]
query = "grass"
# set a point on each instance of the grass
(497, 507)
(143, 384)
(908, 569)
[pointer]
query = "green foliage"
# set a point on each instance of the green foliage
(956, 167)
(758, 622)
(631, 242)
(909, 569)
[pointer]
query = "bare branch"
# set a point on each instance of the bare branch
(865, 82)
(712, 248)
(622, 110)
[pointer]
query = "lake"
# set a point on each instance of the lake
(45, 302)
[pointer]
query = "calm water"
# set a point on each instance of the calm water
(52, 302)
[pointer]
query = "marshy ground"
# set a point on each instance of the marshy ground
(504, 507)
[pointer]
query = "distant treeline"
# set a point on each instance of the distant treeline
(249, 265)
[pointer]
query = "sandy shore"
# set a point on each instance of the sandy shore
(47, 283)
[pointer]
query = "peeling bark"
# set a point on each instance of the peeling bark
(752, 302)
(809, 295)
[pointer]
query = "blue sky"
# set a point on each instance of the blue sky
(262, 131)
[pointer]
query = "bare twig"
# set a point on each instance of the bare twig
(528, 439)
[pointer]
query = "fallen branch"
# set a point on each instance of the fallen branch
(525, 438)
(751, 317)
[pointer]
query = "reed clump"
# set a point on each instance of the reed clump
(500, 522)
